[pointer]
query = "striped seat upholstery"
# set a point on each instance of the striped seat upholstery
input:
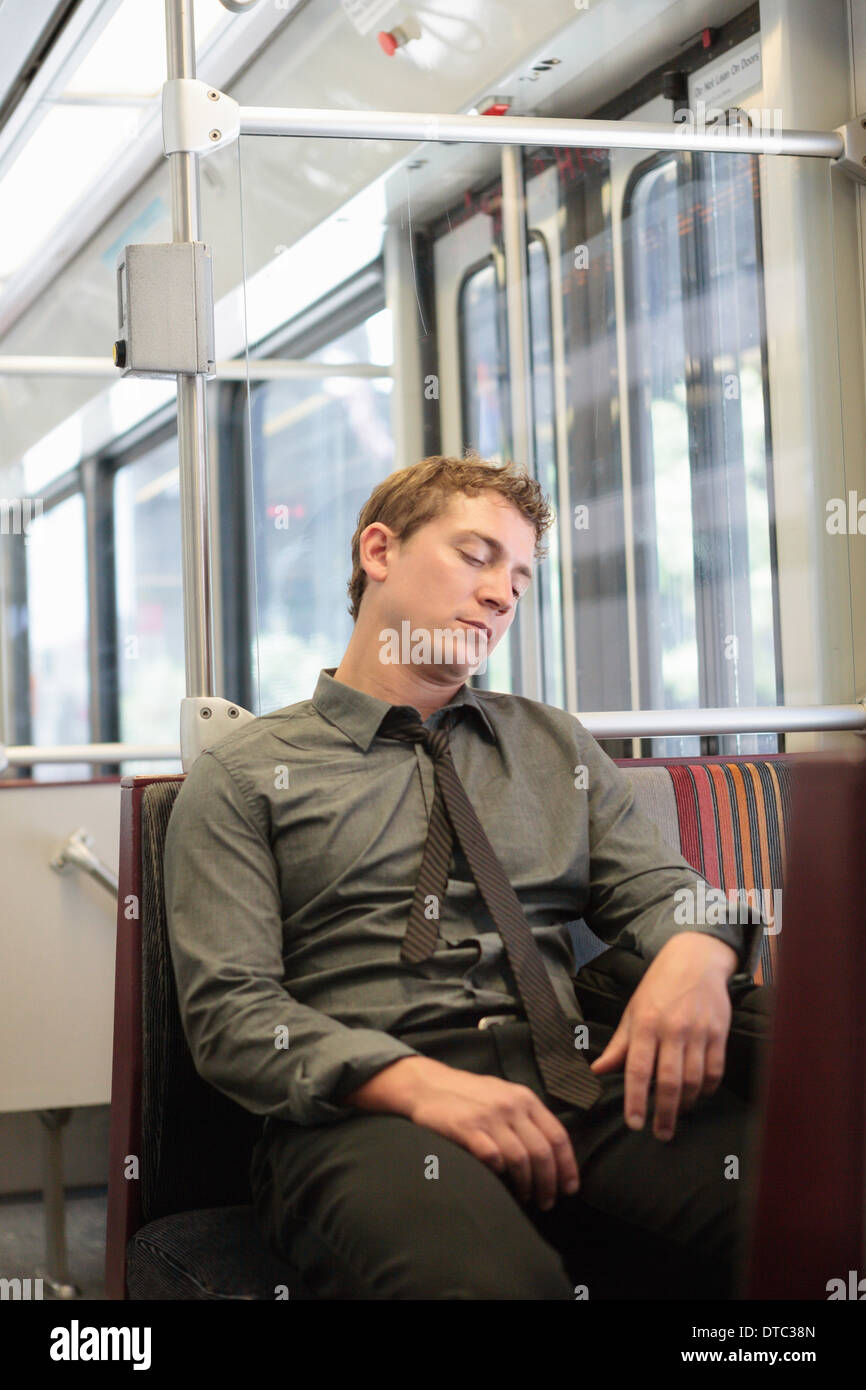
(730, 819)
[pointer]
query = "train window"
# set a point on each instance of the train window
(57, 634)
(319, 448)
(659, 589)
(151, 678)
(700, 442)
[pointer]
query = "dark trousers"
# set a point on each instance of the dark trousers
(362, 1211)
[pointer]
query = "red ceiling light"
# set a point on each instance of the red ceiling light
(392, 39)
(494, 106)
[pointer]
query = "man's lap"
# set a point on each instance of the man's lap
(375, 1206)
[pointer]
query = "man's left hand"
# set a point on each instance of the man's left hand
(680, 1014)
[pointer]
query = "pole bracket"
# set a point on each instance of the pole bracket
(204, 721)
(853, 157)
(197, 118)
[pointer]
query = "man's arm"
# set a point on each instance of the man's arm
(248, 1037)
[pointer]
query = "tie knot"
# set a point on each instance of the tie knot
(398, 724)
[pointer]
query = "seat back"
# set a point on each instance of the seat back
(730, 819)
(176, 1144)
(195, 1142)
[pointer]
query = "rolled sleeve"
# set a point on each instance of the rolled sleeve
(248, 1037)
(635, 875)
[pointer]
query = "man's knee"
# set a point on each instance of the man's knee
(523, 1267)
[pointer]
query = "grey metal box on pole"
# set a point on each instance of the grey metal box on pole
(165, 310)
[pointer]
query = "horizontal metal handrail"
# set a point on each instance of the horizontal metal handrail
(26, 754)
(752, 719)
(232, 369)
(623, 723)
(537, 130)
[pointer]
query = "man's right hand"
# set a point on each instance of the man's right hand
(504, 1125)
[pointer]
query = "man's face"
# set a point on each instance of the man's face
(467, 567)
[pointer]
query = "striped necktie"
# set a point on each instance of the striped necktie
(564, 1069)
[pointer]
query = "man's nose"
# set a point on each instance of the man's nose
(496, 593)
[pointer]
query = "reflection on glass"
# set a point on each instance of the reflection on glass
(57, 620)
(151, 673)
(319, 448)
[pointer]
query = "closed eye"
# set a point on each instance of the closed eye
(474, 560)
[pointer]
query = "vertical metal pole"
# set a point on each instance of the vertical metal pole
(56, 1272)
(520, 379)
(191, 405)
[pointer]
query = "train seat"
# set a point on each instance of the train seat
(180, 1222)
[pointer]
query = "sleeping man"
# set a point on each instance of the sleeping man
(368, 897)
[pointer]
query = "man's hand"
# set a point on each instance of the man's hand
(681, 1011)
(502, 1124)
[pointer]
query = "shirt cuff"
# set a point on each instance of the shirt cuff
(745, 939)
(335, 1067)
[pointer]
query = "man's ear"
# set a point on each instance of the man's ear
(376, 546)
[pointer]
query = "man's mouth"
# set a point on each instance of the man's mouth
(482, 627)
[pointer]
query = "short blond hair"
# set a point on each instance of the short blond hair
(410, 497)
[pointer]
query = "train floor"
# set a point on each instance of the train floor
(22, 1240)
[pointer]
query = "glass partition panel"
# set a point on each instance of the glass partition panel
(681, 412)
(57, 634)
(147, 559)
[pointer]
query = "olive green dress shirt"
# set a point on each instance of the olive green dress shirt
(291, 859)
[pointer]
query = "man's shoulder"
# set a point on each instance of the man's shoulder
(260, 735)
(545, 733)
(259, 744)
(519, 710)
(239, 769)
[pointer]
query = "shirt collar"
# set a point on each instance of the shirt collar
(359, 715)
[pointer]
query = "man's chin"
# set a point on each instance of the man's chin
(457, 652)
